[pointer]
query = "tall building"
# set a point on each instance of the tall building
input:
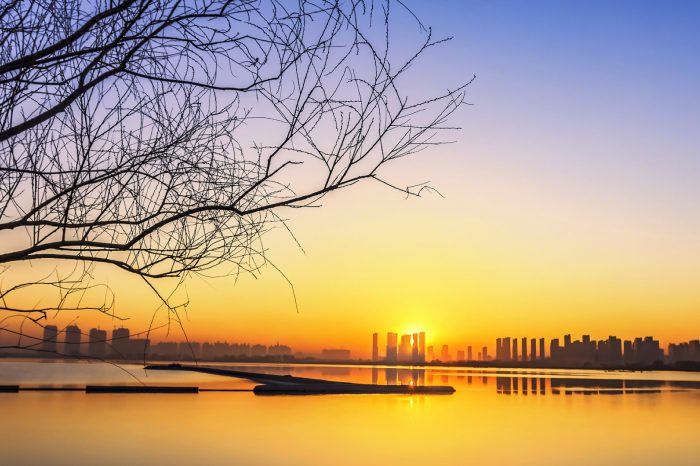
(499, 350)
(484, 354)
(506, 349)
(515, 349)
(97, 343)
(405, 350)
(445, 353)
(415, 349)
(610, 351)
(628, 354)
(524, 349)
(469, 353)
(431, 353)
(542, 355)
(533, 349)
(391, 347)
(120, 341)
(421, 346)
(554, 349)
(50, 338)
(375, 347)
(460, 355)
(72, 342)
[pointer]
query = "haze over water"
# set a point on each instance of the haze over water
(495, 417)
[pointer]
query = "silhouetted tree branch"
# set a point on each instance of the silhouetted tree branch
(162, 136)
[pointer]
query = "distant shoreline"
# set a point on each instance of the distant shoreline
(681, 366)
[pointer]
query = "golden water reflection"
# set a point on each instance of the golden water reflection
(495, 417)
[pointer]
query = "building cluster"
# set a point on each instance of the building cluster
(612, 351)
(689, 351)
(507, 349)
(122, 345)
(410, 349)
(335, 354)
(217, 350)
(462, 355)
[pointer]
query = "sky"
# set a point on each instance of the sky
(571, 197)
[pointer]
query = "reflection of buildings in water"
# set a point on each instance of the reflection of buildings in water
(391, 375)
(405, 376)
(503, 385)
(418, 376)
(396, 376)
(520, 385)
(569, 386)
(469, 379)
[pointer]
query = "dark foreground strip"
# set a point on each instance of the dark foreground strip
(9, 388)
(350, 389)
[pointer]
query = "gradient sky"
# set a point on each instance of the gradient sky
(571, 200)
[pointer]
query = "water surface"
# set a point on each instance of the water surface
(496, 416)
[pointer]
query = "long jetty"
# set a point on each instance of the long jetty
(271, 384)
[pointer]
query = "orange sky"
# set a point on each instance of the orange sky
(485, 261)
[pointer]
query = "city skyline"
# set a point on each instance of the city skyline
(611, 351)
(412, 347)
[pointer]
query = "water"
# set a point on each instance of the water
(495, 417)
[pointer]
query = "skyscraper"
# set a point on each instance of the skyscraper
(97, 343)
(405, 351)
(460, 355)
(469, 353)
(415, 349)
(506, 349)
(72, 342)
(542, 348)
(628, 354)
(515, 349)
(50, 337)
(375, 346)
(499, 350)
(391, 350)
(524, 349)
(120, 341)
(554, 349)
(421, 347)
(533, 349)
(445, 353)
(431, 353)
(484, 354)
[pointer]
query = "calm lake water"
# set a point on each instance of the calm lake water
(498, 417)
